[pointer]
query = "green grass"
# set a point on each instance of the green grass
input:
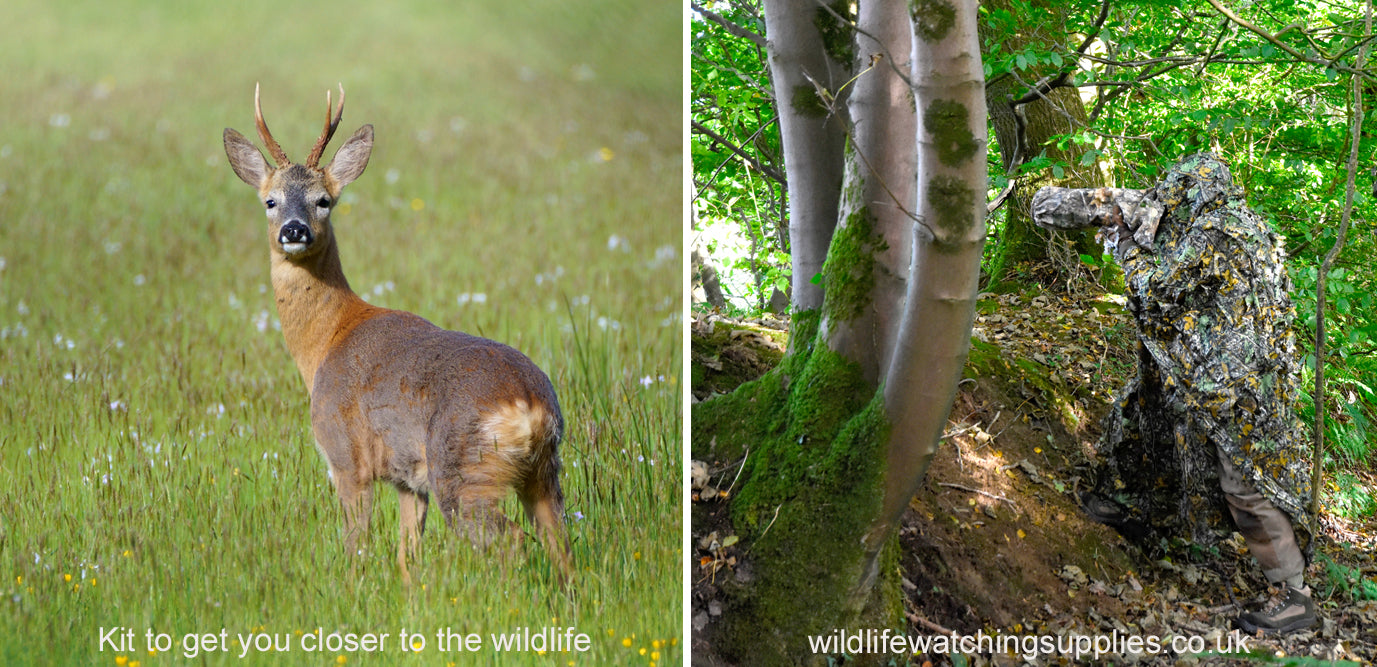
(154, 434)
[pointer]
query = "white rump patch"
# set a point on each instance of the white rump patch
(513, 428)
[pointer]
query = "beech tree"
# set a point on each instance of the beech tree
(882, 119)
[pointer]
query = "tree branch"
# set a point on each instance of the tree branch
(1214, 47)
(1326, 62)
(1086, 125)
(761, 167)
(729, 25)
(1046, 85)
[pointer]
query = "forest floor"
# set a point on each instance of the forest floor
(995, 543)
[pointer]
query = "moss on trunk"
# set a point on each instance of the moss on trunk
(811, 431)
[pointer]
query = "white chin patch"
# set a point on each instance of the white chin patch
(293, 248)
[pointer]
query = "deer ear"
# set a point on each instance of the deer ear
(245, 159)
(352, 157)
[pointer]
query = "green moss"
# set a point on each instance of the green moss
(723, 361)
(834, 23)
(932, 19)
(985, 360)
(805, 102)
(810, 488)
(725, 427)
(806, 511)
(804, 326)
(756, 411)
(953, 201)
(848, 276)
(949, 124)
(825, 392)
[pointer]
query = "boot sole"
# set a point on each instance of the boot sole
(1294, 626)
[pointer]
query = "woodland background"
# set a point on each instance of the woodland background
(1080, 94)
(1102, 93)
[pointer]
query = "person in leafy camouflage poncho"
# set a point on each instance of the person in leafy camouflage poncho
(1208, 421)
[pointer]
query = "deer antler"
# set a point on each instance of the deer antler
(279, 155)
(330, 125)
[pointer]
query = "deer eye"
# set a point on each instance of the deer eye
(323, 202)
(271, 203)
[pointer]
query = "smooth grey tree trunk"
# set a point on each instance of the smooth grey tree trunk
(878, 193)
(801, 60)
(935, 330)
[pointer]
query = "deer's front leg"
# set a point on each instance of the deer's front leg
(356, 499)
(412, 519)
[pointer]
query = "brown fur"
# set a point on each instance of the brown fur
(395, 398)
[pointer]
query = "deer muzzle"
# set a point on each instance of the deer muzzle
(294, 237)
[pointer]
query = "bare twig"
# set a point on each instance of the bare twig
(999, 199)
(1015, 464)
(884, 52)
(960, 431)
(987, 494)
(767, 527)
(928, 624)
(1223, 30)
(741, 466)
(831, 101)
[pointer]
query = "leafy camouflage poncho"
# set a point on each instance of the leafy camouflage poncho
(1216, 364)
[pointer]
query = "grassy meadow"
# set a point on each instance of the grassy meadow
(157, 470)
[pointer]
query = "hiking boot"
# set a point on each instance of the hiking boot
(1290, 611)
(1103, 510)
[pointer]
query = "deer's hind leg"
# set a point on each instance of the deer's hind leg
(473, 511)
(469, 483)
(544, 503)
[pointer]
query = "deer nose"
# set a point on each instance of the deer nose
(294, 236)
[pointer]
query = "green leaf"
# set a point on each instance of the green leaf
(1058, 172)
(817, 279)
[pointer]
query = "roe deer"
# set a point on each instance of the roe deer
(394, 397)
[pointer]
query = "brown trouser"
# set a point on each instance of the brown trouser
(1266, 529)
